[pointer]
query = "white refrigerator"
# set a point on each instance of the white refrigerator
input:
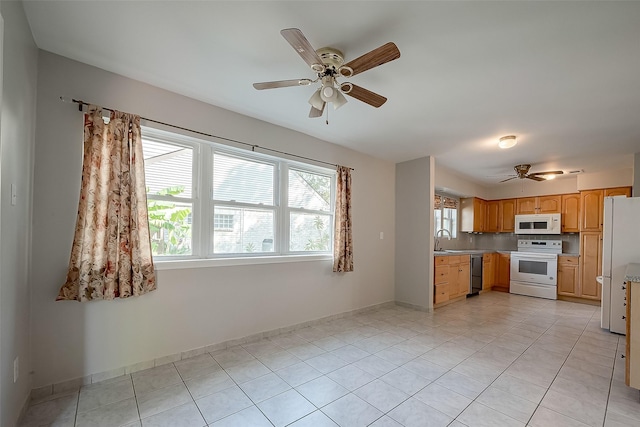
(620, 246)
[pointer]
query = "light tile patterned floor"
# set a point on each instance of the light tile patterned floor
(492, 360)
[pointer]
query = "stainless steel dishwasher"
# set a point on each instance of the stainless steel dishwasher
(475, 282)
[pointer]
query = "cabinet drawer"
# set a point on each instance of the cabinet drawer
(442, 260)
(465, 259)
(441, 274)
(441, 293)
(568, 260)
(454, 259)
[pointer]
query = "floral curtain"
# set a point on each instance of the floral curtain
(342, 244)
(111, 252)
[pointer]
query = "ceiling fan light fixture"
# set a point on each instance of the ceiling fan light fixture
(316, 100)
(507, 141)
(549, 176)
(339, 101)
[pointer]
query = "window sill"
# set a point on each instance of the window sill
(180, 264)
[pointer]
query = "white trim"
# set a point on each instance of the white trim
(225, 262)
(203, 204)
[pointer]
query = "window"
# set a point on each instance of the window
(207, 200)
(223, 222)
(445, 212)
(169, 180)
(310, 217)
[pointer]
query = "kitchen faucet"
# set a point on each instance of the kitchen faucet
(437, 241)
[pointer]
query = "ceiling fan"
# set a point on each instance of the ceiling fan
(522, 172)
(328, 64)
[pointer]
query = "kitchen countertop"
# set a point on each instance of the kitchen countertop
(448, 252)
(632, 274)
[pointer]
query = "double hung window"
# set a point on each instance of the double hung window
(445, 213)
(210, 201)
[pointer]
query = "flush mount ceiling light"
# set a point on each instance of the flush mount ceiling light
(507, 141)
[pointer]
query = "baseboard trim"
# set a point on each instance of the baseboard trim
(76, 383)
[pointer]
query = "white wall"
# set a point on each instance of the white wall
(636, 175)
(530, 188)
(192, 307)
(414, 236)
(608, 179)
(19, 68)
(451, 182)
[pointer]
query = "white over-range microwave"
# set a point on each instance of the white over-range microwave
(538, 224)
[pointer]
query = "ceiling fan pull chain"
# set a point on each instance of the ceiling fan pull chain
(327, 120)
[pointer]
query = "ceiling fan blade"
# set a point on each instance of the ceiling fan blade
(282, 83)
(535, 178)
(381, 55)
(547, 173)
(315, 112)
(365, 95)
(299, 42)
(509, 179)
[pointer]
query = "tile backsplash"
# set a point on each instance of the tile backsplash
(507, 241)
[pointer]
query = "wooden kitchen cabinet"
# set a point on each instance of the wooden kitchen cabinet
(549, 204)
(526, 205)
(590, 265)
(568, 276)
(508, 215)
(464, 275)
(472, 215)
(570, 213)
(441, 279)
(488, 271)
(503, 272)
(492, 220)
(618, 191)
(632, 339)
(591, 210)
(538, 205)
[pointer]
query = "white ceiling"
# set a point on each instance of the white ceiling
(562, 76)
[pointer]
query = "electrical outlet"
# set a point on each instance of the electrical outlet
(16, 369)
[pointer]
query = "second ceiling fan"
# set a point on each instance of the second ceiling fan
(522, 172)
(328, 64)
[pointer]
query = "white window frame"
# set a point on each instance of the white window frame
(287, 210)
(454, 232)
(203, 205)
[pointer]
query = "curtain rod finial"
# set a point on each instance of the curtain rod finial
(66, 99)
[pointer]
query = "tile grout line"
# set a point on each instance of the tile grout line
(556, 376)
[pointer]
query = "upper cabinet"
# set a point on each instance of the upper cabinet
(571, 213)
(538, 205)
(618, 191)
(591, 206)
(508, 215)
(473, 213)
(492, 220)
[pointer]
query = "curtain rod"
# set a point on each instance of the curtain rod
(253, 146)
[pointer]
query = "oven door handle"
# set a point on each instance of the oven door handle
(530, 255)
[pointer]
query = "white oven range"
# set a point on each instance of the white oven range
(534, 268)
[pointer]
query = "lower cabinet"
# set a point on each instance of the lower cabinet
(590, 265)
(632, 350)
(503, 272)
(488, 271)
(452, 275)
(441, 280)
(568, 274)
